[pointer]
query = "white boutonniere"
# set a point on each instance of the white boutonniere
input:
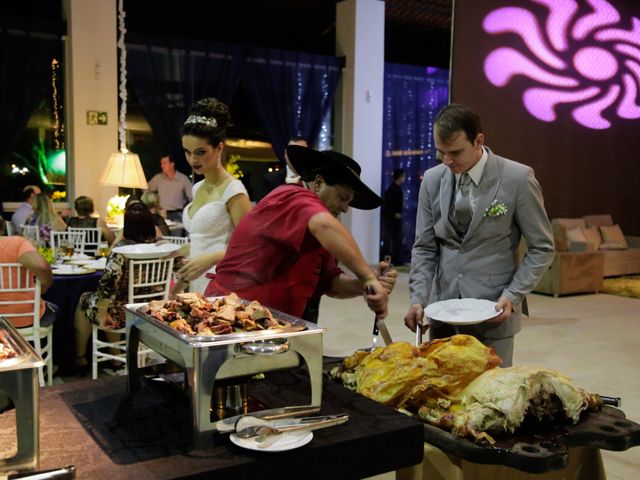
(496, 209)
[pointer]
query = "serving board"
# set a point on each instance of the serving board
(543, 448)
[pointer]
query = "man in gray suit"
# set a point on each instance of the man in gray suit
(472, 211)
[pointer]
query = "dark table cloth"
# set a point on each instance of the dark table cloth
(106, 434)
(65, 293)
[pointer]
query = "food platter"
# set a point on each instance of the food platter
(144, 251)
(462, 311)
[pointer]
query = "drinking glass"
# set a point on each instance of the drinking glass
(103, 249)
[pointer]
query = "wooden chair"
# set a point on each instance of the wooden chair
(17, 280)
(148, 280)
(75, 238)
(32, 232)
(176, 240)
(92, 238)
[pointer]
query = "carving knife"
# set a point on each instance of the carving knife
(379, 326)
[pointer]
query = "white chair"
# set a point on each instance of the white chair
(32, 232)
(92, 238)
(148, 280)
(18, 281)
(176, 240)
(75, 238)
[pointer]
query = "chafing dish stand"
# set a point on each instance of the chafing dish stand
(209, 359)
(19, 380)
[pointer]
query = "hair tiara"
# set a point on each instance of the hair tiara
(208, 121)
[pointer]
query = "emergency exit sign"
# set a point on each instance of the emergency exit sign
(96, 118)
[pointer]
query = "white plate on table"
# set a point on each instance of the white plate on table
(77, 257)
(71, 270)
(79, 262)
(462, 311)
(141, 251)
(99, 264)
(287, 441)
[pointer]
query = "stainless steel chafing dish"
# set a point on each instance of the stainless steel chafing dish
(19, 381)
(208, 360)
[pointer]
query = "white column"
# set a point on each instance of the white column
(360, 38)
(91, 73)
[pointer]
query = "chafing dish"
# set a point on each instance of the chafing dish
(211, 361)
(19, 381)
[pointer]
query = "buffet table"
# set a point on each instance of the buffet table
(107, 433)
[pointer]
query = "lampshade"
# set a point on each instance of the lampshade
(124, 170)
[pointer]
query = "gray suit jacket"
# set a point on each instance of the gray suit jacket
(483, 264)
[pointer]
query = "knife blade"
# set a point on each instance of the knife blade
(378, 324)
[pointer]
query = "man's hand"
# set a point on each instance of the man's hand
(376, 297)
(414, 317)
(506, 306)
(388, 279)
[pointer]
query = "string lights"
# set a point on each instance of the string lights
(58, 127)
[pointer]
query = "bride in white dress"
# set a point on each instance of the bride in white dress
(219, 201)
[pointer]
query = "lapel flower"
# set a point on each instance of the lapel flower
(496, 209)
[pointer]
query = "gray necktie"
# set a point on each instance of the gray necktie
(462, 205)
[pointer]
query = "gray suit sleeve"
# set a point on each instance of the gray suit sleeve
(534, 224)
(424, 255)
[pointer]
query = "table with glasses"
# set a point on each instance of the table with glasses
(65, 293)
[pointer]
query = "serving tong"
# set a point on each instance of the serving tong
(248, 426)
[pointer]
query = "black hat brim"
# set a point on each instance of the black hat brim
(306, 161)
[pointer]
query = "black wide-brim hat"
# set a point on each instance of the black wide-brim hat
(308, 163)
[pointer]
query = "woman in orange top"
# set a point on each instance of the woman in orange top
(20, 250)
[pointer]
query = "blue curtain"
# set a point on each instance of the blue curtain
(292, 92)
(25, 77)
(168, 78)
(412, 97)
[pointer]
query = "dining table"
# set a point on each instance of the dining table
(65, 293)
(107, 432)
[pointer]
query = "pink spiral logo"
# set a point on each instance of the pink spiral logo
(582, 58)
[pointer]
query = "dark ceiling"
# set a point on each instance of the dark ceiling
(417, 31)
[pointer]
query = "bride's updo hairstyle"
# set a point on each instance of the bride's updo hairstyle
(208, 118)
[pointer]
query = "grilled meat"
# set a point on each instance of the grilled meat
(193, 314)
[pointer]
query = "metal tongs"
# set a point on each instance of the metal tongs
(248, 426)
(379, 325)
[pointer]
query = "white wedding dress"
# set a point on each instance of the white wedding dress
(210, 228)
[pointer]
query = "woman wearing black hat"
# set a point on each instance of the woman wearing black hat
(285, 249)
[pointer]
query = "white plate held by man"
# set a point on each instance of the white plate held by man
(462, 311)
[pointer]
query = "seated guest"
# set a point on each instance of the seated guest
(104, 306)
(20, 250)
(25, 210)
(152, 201)
(45, 217)
(83, 219)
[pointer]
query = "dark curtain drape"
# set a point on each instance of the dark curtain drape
(412, 97)
(25, 72)
(292, 92)
(168, 78)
